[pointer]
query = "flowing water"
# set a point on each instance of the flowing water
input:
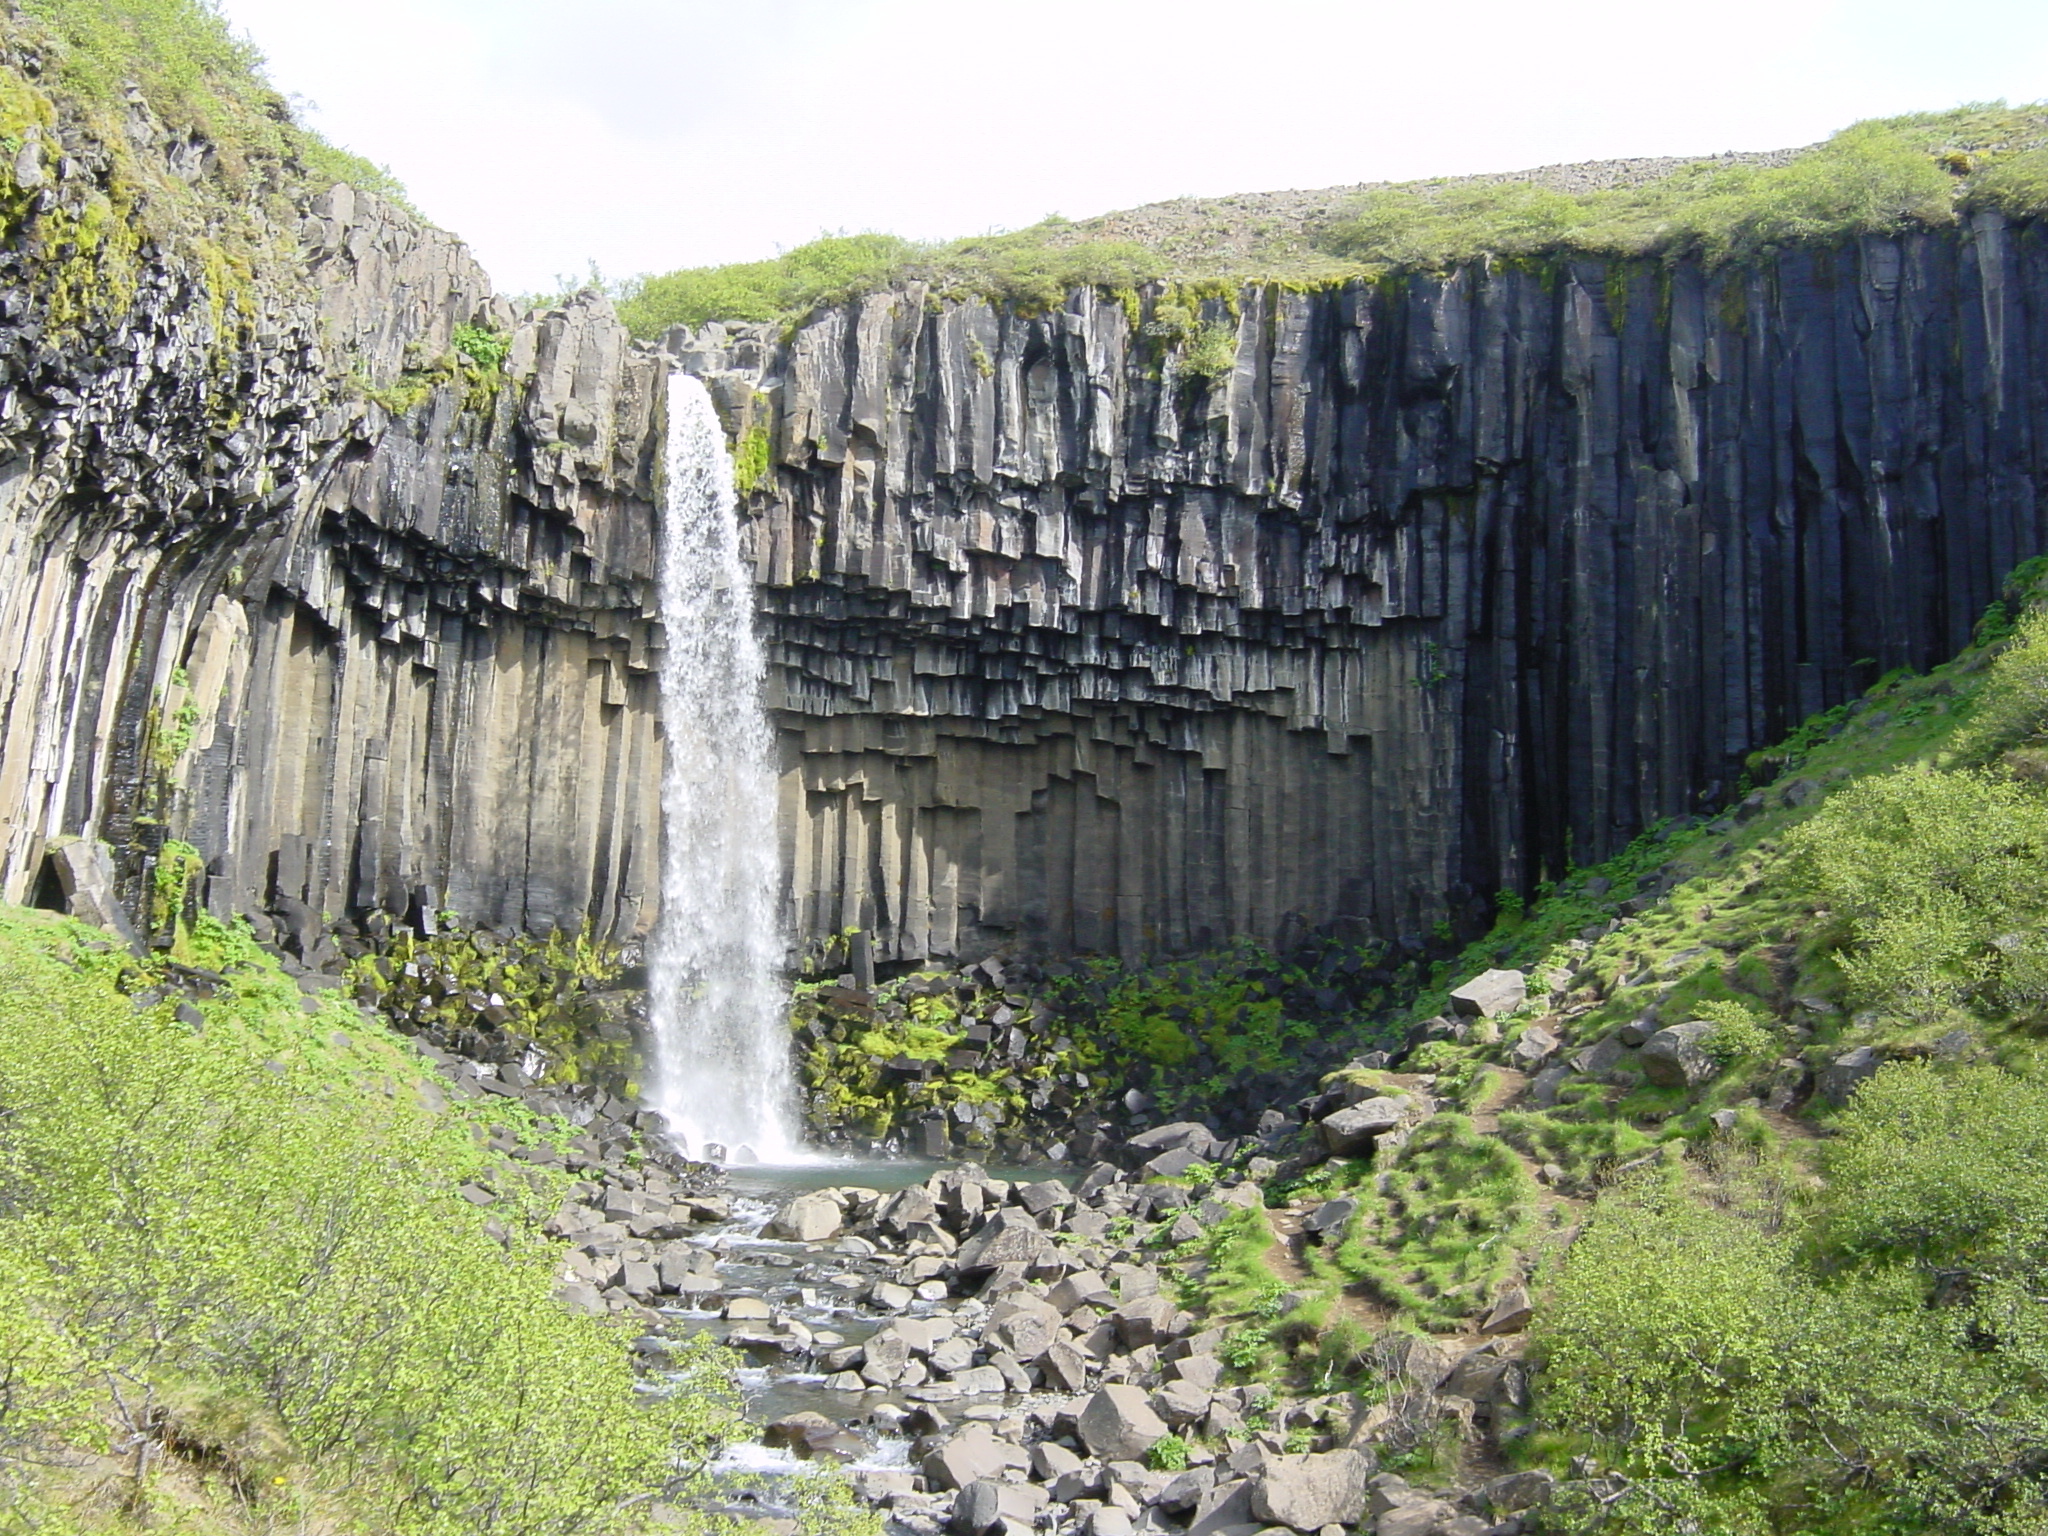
(721, 1073)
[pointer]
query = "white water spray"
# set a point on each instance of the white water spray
(721, 1037)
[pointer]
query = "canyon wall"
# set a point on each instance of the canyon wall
(288, 580)
(1447, 583)
(1444, 583)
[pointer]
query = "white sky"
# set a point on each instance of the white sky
(651, 134)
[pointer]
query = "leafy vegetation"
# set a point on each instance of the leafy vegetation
(1869, 1358)
(235, 1271)
(198, 77)
(1873, 178)
(1443, 1227)
(495, 992)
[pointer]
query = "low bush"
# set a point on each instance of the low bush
(222, 1253)
(1871, 1361)
(1943, 880)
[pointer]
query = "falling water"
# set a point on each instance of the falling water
(721, 1069)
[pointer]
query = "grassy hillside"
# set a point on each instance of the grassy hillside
(240, 1287)
(1921, 171)
(1796, 1287)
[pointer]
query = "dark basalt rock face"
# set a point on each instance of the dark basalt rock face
(359, 654)
(1449, 582)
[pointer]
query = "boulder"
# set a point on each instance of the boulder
(1082, 1288)
(1173, 1163)
(1181, 1402)
(1225, 1510)
(1331, 1215)
(985, 1506)
(808, 1219)
(1839, 1079)
(1510, 1314)
(1312, 1491)
(974, 1454)
(85, 876)
(1490, 994)
(1518, 1491)
(1045, 1197)
(1351, 1132)
(1536, 1046)
(1118, 1424)
(1023, 1325)
(1421, 1519)
(808, 1435)
(1009, 1237)
(1050, 1461)
(1188, 1134)
(1676, 1056)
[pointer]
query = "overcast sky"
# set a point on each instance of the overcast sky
(651, 134)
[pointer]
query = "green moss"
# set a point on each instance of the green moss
(550, 991)
(1443, 1227)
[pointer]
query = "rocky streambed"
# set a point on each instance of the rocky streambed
(1001, 1350)
(1007, 1351)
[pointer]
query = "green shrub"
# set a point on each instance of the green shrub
(1872, 1363)
(1682, 1336)
(222, 1221)
(197, 76)
(1941, 878)
(1874, 177)
(2011, 705)
(1168, 1455)
(1740, 1033)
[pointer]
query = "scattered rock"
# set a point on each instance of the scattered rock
(1490, 994)
(1118, 1424)
(1676, 1056)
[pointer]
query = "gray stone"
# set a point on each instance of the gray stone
(1511, 1313)
(1312, 1491)
(1023, 1325)
(984, 1506)
(1532, 1049)
(1517, 1491)
(1838, 1081)
(85, 876)
(1189, 1134)
(1490, 994)
(1331, 1215)
(1352, 1132)
(1117, 1423)
(1422, 1519)
(971, 1454)
(1676, 1057)
(1008, 1237)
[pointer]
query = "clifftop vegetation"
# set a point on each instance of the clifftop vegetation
(196, 76)
(1920, 171)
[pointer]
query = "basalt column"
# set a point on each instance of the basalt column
(1449, 582)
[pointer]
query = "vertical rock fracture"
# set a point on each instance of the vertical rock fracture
(721, 1046)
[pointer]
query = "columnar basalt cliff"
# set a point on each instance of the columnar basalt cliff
(1447, 583)
(291, 581)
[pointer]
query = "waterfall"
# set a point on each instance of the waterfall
(721, 1038)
